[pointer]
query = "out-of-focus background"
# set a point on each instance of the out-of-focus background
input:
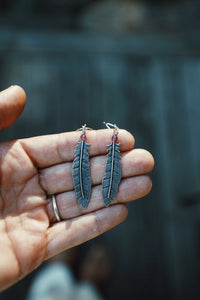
(136, 63)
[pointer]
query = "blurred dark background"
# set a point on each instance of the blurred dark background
(136, 63)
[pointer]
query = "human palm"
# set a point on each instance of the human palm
(31, 170)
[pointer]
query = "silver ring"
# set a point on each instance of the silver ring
(55, 208)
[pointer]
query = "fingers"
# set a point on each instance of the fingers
(58, 178)
(67, 234)
(12, 102)
(50, 150)
(129, 189)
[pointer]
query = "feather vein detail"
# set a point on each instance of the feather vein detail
(112, 176)
(81, 173)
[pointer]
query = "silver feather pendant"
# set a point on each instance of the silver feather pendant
(81, 171)
(112, 176)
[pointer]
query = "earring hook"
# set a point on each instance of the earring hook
(112, 126)
(84, 128)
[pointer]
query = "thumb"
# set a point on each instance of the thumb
(12, 102)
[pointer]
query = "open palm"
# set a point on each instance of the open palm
(31, 170)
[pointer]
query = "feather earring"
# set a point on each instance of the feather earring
(112, 176)
(81, 170)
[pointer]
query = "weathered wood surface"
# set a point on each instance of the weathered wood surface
(150, 86)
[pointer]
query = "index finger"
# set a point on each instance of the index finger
(54, 149)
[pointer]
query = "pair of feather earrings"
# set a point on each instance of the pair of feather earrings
(81, 169)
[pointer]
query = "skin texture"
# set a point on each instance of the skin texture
(12, 102)
(33, 169)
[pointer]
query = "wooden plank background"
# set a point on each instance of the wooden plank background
(149, 85)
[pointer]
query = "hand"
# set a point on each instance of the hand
(33, 169)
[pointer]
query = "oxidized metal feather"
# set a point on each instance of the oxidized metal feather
(112, 176)
(81, 173)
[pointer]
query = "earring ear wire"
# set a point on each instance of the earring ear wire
(83, 128)
(112, 126)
